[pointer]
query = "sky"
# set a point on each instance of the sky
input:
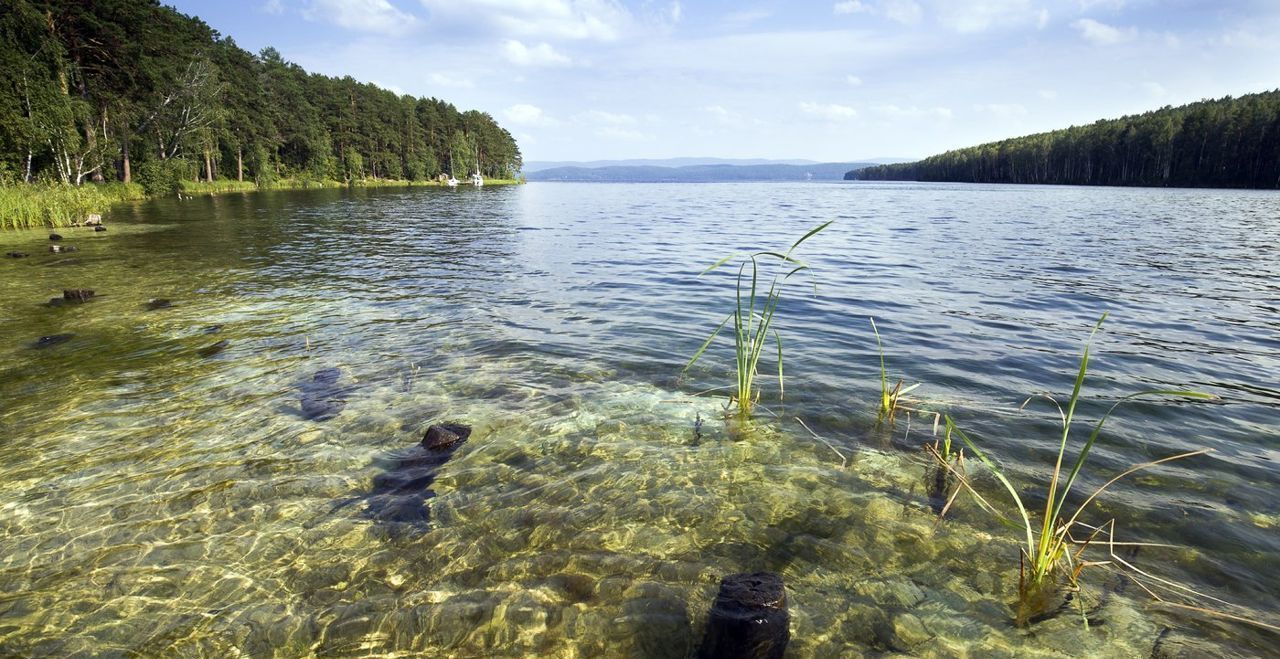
(834, 80)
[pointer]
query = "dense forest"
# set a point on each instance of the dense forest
(1230, 142)
(131, 90)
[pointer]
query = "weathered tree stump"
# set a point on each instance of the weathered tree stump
(93, 220)
(749, 619)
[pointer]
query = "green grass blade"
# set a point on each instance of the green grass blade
(718, 264)
(995, 470)
(812, 232)
(706, 343)
(781, 387)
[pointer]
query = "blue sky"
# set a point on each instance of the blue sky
(834, 80)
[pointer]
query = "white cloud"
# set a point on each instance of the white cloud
(906, 12)
(598, 20)
(1042, 19)
(746, 16)
(980, 15)
(1048, 94)
(829, 111)
(450, 80)
(378, 16)
(524, 114)
(273, 7)
(1154, 88)
(398, 91)
(1002, 110)
(538, 55)
(600, 117)
(1100, 33)
(853, 81)
(895, 112)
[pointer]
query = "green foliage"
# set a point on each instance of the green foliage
(57, 205)
(753, 321)
(1229, 142)
(1048, 557)
(890, 398)
(162, 178)
(85, 85)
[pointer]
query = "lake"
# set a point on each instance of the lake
(155, 500)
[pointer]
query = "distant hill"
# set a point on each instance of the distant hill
(1225, 143)
(698, 173)
(539, 165)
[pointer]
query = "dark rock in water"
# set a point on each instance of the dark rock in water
(77, 294)
(51, 340)
(61, 249)
(211, 350)
(17, 255)
(322, 397)
(210, 329)
(749, 619)
(399, 495)
(158, 303)
(445, 435)
(54, 236)
(99, 228)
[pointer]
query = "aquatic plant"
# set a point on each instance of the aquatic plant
(24, 206)
(889, 397)
(753, 321)
(1052, 556)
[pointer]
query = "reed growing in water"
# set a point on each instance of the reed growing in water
(1052, 557)
(753, 321)
(55, 205)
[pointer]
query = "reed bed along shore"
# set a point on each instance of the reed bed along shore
(32, 206)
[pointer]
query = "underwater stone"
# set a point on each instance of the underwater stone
(99, 228)
(61, 249)
(322, 399)
(54, 236)
(1177, 645)
(77, 294)
(158, 303)
(211, 350)
(445, 435)
(51, 340)
(749, 618)
(400, 494)
(17, 255)
(908, 632)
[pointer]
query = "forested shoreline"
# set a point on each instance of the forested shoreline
(131, 91)
(1228, 142)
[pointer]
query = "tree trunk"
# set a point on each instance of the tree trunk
(208, 166)
(128, 173)
(239, 165)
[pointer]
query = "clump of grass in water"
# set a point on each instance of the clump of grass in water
(1047, 562)
(753, 323)
(890, 398)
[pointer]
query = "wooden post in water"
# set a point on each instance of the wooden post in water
(748, 620)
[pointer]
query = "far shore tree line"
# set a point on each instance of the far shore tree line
(129, 90)
(1226, 143)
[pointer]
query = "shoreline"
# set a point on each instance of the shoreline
(40, 206)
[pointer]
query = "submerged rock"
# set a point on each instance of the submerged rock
(211, 350)
(62, 249)
(211, 329)
(749, 619)
(99, 228)
(51, 340)
(399, 495)
(77, 294)
(17, 255)
(322, 398)
(54, 236)
(158, 303)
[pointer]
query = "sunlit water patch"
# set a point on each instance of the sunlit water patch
(161, 499)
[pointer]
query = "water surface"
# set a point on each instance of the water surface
(156, 502)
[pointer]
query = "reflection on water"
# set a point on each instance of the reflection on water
(159, 502)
